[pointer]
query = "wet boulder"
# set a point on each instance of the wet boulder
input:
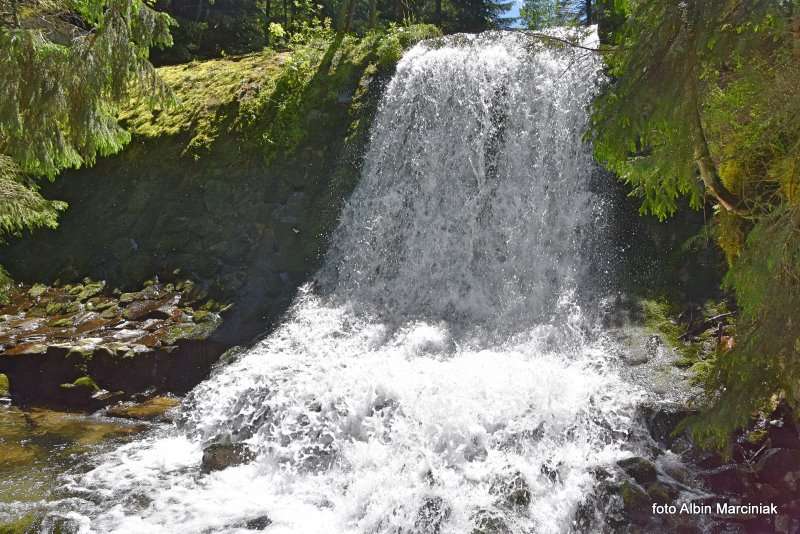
(5, 386)
(258, 523)
(488, 522)
(431, 516)
(780, 468)
(728, 479)
(635, 501)
(640, 469)
(153, 409)
(223, 455)
(513, 491)
(662, 421)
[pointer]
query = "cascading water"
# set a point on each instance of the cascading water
(438, 376)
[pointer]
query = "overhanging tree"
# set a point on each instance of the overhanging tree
(702, 103)
(64, 67)
(648, 123)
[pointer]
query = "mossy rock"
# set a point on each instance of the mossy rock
(636, 501)
(56, 308)
(37, 290)
(149, 410)
(27, 524)
(192, 331)
(91, 290)
(84, 382)
(5, 386)
(110, 312)
(65, 322)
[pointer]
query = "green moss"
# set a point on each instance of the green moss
(657, 317)
(264, 97)
(203, 90)
(5, 386)
(36, 291)
(633, 496)
(56, 308)
(84, 382)
(27, 524)
(66, 322)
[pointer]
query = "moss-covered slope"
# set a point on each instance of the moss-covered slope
(236, 184)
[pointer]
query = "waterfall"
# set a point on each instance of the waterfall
(439, 374)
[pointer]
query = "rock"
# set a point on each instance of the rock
(487, 522)
(661, 492)
(513, 492)
(786, 524)
(36, 291)
(780, 468)
(729, 478)
(56, 308)
(43, 356)
(662, 420)
(90, 290)
(636, 502)
(258, 523)
(5, 386)
(143, 309)
(66, 322)
(221, 456)
(641, 469)
(782, 429)
(154, 409)
(431, 516)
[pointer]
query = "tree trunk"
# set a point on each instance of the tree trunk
(14, 13)
(346, 17)
(705, 164)
(589, 14)
(373, 13)
(267, 9)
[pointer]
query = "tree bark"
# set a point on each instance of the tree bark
(705, 164)
(14, 13)
(267, 9)
(346, 16)
(373, 13)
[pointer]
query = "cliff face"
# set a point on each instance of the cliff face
(236, 185)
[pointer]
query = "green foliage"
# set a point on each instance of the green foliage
(765, 363)
(60, 83)
(647, 125)
(397, 39)
(21, 206)
(703, 99)
(539, 14)
(313, 78)
(210, 29)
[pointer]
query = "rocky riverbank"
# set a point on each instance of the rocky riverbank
(672, 484)
(83, 346)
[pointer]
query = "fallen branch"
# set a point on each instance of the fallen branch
(708, 323)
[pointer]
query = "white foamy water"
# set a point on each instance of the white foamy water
(438, 376)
